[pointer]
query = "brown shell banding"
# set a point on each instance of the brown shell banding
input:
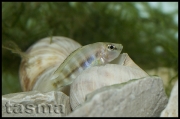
(23, 75)
(42, 56)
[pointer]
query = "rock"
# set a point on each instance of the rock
(172, 107)
(35, 104)
(143, 97)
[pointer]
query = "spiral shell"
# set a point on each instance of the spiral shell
(43, 59)
(100, 76)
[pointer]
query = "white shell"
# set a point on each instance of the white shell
(43, 59)
(100, 76)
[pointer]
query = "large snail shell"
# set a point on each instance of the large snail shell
(100, 76)
(43, 59)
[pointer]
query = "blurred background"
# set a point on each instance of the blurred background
(147, 30)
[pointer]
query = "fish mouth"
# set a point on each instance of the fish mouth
(120, 47)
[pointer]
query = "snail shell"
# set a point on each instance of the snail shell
(44, 57)
(100, 76)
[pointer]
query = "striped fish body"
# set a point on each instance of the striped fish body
(84, 57)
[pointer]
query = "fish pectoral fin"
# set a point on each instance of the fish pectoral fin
(96, 62)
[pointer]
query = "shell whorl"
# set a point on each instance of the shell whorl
(100, 76)
(44, 57)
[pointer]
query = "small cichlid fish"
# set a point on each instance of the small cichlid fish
(99, 53)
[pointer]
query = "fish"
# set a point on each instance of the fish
(95, 54)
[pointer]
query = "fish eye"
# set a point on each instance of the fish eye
(111, 47)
